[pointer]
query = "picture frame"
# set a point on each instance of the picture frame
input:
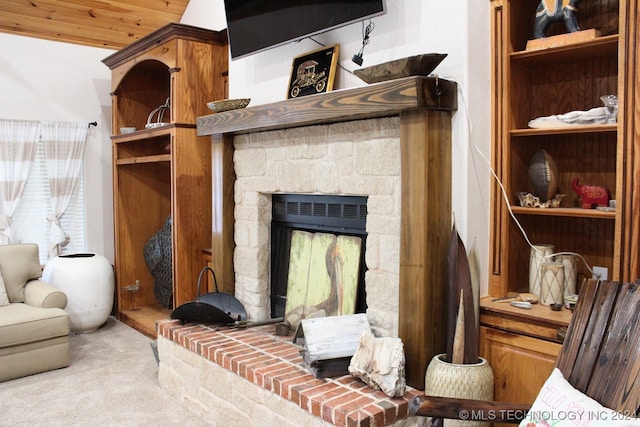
(314, 72)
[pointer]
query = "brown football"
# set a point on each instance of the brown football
(543, 174)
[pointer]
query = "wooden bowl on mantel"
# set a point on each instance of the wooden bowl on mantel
(418, 65)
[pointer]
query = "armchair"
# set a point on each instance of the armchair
(600, 359)
(34, 328)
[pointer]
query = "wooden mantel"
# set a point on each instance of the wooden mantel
(425, 106)
(377, 100)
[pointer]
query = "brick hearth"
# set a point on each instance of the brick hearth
(270, 363)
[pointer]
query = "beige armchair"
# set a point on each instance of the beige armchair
(34, 328)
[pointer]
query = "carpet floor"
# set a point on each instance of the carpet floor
(112, 381)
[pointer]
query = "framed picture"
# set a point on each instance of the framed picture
(313, 72)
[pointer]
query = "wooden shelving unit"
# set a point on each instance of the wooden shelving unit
(166, 170)
(528, 84)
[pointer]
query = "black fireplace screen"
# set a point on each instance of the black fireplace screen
(343, 215)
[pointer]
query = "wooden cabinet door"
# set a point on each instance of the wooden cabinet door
(520, 364)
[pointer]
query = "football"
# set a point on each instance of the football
(543, 174)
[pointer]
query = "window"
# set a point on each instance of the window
(30, 219)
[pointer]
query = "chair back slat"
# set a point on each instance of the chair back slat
(580, 329)
(615, 381)
(601, 351)
(597, 329)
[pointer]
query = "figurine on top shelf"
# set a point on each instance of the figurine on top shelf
(549, 11)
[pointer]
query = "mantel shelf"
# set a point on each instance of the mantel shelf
(376, 100)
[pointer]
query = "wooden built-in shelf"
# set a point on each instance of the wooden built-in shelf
(539, 321)
(144, 318)
(144, 134)
(568, 130)
(161, 174)
(145, 159)
(601, 46)
(570, 212)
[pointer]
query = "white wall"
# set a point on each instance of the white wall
(44, 80)
(459, 28)
(58, 81)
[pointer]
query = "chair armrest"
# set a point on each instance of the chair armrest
(468, 409)
(43, 295)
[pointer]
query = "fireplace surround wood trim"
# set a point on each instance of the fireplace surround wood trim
(377, 100)
(425, 106)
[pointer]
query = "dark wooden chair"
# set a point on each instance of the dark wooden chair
(600, 357)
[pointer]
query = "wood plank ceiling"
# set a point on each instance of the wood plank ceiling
(100, 23)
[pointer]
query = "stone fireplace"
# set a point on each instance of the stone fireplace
(352, 158)
(389, 142)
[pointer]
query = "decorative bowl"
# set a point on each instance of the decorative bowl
(155, 125)
(228, 104)
(418, 65)
(128, 129)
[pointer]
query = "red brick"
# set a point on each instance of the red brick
(375, 413)
(274, 363)
(288, 385)
(348, 405)
(280, 380)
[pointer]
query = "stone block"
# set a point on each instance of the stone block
(362, 130)
(250, 162)
(378, 157)
(379, 362)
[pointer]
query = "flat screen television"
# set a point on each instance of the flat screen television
(257, 25)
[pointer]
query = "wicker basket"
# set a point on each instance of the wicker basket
(469, 381)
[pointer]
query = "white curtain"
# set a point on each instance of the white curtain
(18, 139)
(64, 144)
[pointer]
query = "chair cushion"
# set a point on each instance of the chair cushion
(21, 324)
(4, 298)
(560, 405)
(19, 264)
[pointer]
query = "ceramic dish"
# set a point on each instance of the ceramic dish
(228, 104)
(155, 125)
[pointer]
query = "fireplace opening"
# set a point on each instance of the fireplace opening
(340, 215)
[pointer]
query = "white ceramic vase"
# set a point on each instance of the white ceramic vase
(537, 257)
(552, 285)
(570, 265)
(467, 381)
(88, 281)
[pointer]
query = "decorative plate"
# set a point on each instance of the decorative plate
(228, 104)
(155, 125)
(418, 65)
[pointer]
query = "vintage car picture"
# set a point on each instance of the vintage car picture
(313, 72)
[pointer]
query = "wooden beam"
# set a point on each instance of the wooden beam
(425, 147)
(222, 222)
(376, 100)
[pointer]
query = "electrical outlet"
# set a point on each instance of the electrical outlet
(600, 273)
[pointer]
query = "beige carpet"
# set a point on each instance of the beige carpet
(112, 381)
